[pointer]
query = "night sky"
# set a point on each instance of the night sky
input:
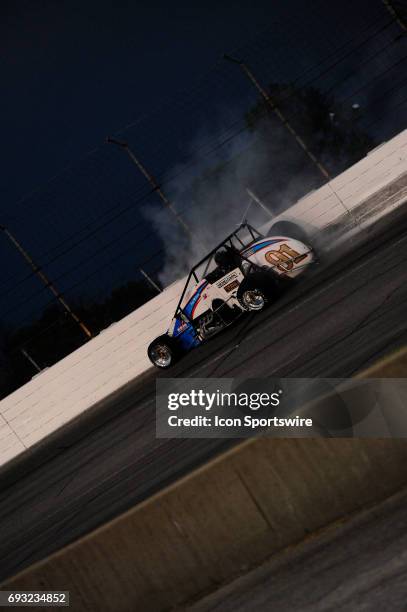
(74, 72)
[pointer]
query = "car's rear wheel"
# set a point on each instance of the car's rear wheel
(161, 352)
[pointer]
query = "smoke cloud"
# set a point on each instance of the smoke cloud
(211, 195)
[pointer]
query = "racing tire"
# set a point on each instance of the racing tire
(291, 229)
(255, 292)
(253, 299)
(162, 352)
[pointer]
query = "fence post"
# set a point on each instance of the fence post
(31, 360)
(270, 102)
(150, 280)
(395, 14)
(152, 181)
(37, 270)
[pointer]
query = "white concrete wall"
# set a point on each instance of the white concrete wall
(379, 168)
(118, 354)
(58, 394)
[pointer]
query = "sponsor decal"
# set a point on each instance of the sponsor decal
(193, 302)
(285, 258)
(226, 279)
(232, 286)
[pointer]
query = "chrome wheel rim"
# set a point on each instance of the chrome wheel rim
(161, 355)
(253, 299)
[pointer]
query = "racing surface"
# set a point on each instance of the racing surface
(333, 323)
(359, 565)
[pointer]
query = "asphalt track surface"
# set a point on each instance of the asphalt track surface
(357, 566)
(334, 323)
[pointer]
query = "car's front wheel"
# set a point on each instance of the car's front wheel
(252, 298)
(161, 352)
(256, 291)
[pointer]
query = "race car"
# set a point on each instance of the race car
(243, 273)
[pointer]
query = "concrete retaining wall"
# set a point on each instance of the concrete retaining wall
(214, 525)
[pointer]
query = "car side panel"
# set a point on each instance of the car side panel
(224, 289)
(287, 257)
(184, 333)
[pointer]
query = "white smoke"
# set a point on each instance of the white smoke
(211, 193)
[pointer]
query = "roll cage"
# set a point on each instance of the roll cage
(235, 241)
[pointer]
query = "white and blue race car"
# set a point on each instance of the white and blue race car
(243, 273)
